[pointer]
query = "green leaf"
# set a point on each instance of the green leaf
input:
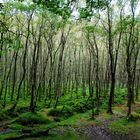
(84, 13)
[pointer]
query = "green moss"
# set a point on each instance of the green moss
(78, 119)
(55, 111)
(11, 135)
(15, 126)
(22, 109)
(6, 115)
(3, 115)
(66, 136)
(123, 126)
(31, 118)
(68, 110)
(119, 126)
(60, 112)
(105, 115)
(134, 117)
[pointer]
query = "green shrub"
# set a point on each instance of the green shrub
(104, 104)
(55, 111)
(138, 111)
(96, 111)
(70, 103)
(31, 118)
(3, 115)
(15, 126)
(68, 111)
(65, 111)
(134, 117)
(120, 95)
(6, 114)
(79, 107)
(23, 109)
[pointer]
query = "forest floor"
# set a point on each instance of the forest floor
(78, 126)
(104, 127)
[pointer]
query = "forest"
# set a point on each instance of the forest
(70, 69)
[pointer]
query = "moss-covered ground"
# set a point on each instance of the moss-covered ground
(71, 120)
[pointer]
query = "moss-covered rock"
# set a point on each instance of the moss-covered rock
(31, 118)
(56, 111)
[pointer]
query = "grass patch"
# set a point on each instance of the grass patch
(121, 126)
(124, 126)
(78, 119)
(105, 115)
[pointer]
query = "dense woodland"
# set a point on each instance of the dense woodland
(59, 58)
